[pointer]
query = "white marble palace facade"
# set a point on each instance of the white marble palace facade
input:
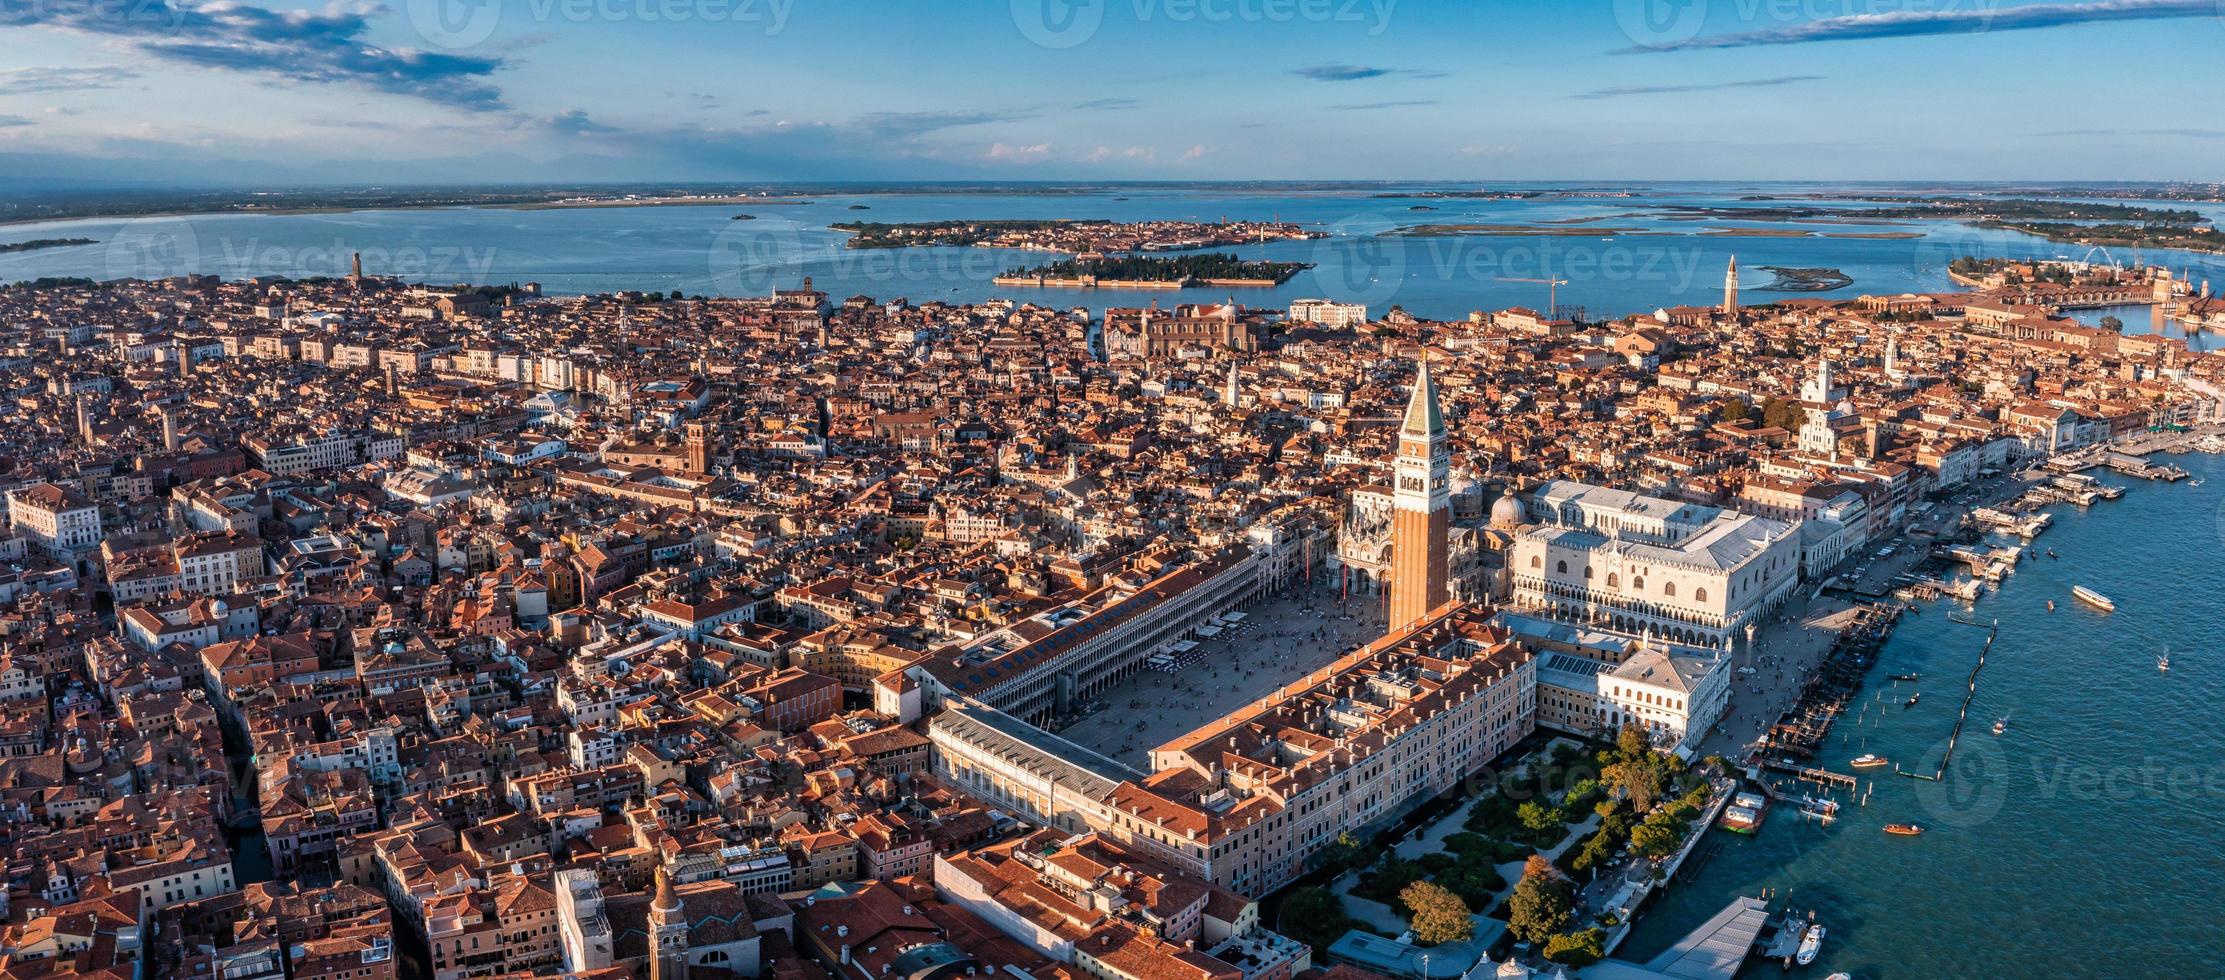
(1610, 559)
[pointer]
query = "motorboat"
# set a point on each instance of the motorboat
(2050, 605)
(1811, 943)
(1906, 677)
(1912, 699)
(1868, 760)
(2163, 663)
(1904, 829)
(2093, 598)
(2000, 725)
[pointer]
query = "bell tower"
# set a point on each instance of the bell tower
(668, 932)
(1421, 519)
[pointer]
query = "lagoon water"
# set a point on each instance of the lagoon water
(1622, 254)
(2083, 842)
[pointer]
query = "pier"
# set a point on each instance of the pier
(1963, 717)
(1800, 731)
(2135, 466)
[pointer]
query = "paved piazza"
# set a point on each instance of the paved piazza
(1281, 640)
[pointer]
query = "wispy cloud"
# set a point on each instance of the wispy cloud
(1371, 106)
(12, 122)
(1919, 23)
(292, 45)
(1620, 91)
(2180, 132)
(54, 78)
(1106, 105)
(1339, 73)
(574, 122)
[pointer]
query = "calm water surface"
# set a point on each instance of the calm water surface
(2089, 840)
(1625, 257)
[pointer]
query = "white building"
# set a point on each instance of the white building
(57, 521)
(1328, 313)
(1616, 560)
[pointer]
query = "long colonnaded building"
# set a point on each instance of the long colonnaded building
(1247, 800)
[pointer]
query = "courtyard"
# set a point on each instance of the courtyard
(1278, 641)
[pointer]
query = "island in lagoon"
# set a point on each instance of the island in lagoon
(1156, 272)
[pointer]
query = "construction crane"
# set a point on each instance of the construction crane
(1552, 291)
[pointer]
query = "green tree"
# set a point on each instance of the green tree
(1734, 410)
(1438, 915)
(2112, 324)
(1314, 916)
(1577, 949)
(1542, 904)
(1655, 839)
(1538, 816)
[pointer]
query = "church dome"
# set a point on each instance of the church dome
(1507, 511)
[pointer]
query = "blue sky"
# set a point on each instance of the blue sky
(252, 91)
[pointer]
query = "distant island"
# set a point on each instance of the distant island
(38, 243)
(1071, 235)
(1790, 280)
(745, 217)
(1156, 272)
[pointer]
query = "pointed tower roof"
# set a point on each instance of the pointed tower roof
(666, 900)
(1422, 416)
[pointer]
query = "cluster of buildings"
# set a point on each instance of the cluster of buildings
(350, 628)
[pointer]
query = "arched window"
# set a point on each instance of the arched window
(1562, 567)
(1638, 582)
(1699, 595)
(1669, 589)
(1587, 573)
(1614, 581)
(1536, 562)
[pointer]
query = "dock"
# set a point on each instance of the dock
(1810, 773)
(2135, 466)
(1716, 949)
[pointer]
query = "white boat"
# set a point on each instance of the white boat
(1811, 943)
(2163, 663)
(2093, 598)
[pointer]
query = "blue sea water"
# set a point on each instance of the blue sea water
(2084, 841)
(1640, 259)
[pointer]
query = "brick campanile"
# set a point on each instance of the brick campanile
(1422, 505)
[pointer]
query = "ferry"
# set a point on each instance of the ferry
(1868, 760)
(1904, 829)
(1744, 814)
(2093, 598)
(1811, 943)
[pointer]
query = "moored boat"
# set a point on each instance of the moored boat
(1745, 813)
(1904, 829)
(1868, 760)
(1811, 943)
(2093, 598)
